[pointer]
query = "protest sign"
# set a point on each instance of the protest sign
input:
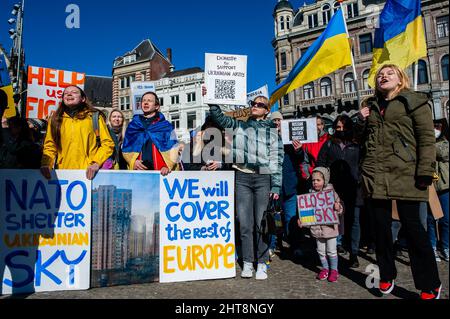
(45, 89)
(262, 91)
(303, 130)
(197, 226)
(45, 228)
(317, 208)
(226, 79)
(137, 90)
(125, 228)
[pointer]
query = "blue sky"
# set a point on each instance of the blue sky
(109, 29)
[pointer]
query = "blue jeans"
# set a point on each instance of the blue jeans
(356, 231)
(252, 198)
(443, 223)
(290, 220)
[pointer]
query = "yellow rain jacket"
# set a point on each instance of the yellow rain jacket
(78, 144)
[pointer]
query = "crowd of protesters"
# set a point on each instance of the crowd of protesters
(389, 152)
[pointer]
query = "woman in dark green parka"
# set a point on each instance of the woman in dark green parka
(397, 164)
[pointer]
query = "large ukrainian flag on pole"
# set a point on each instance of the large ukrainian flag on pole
(6, 86)
(400, 39)
(328, 53)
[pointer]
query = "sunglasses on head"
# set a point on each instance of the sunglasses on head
(259, 104)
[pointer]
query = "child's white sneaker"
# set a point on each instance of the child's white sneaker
(261, 272)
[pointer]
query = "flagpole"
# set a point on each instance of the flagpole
(355, 80)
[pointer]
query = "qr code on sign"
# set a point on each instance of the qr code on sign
(225, 89)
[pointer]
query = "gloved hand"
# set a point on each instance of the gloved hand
(422, 182)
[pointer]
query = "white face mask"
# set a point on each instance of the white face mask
(437, 133)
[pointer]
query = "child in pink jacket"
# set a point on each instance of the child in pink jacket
(326, 235)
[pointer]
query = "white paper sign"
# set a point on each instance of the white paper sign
(304, 130)
(137, 90)
(262, 91)
(226, 79)
(197, 226)
(45, 89)
(45, 228)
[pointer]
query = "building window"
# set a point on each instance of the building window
(365, 79)
(286, 99)
(308, 91)
(325, 87)
(191, 97)
(175, 99)
(283, 61)
(352, 10)
(288, 23)
(313, 21)
(129, 59)
(442, 26)
(175, 120)
(191, 119)
(282, 23)
(423, 74)
(124, 103)
(365, 43)
(349, 84)
(336, 6)
(126, 81)
(161, 101)
(326, 13)
(444, 68)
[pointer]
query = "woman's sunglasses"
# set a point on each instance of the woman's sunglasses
(259, 104)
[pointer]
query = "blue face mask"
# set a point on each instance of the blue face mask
(437, 133)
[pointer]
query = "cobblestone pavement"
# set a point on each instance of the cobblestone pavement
(288, 279)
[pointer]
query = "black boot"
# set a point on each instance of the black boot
(354, 263)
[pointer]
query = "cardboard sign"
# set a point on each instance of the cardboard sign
(137, 90)
(226, 79)
(197, 226)
(304, 130)
(317, 208)
(45, 89)
(240, 114)
(45, 228)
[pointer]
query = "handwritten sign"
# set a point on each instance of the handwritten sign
(304, 130)
(262, 91)
(45, 89)
(226, 79)
(317, 208)
(197, 226)
(45, 228)
(137, 90)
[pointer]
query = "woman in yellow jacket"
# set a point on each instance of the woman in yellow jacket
(71, 142)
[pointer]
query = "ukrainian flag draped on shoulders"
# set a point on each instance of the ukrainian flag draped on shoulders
(331, 51)
(400, 39)
(7, 88)
(162, 136)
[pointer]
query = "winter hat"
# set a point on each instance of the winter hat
(325, 172)
(276, 115)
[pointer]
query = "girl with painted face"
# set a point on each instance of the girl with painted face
(70, 142)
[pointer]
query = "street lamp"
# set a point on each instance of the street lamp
(11, 21)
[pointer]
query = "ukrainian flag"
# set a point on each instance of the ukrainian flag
(6, 86)
(308, 217)
(400, 39)
(328, 53)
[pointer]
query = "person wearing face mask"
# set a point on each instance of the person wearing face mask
(442, 189)
(396, 127)
(63, 149)
(341, 155)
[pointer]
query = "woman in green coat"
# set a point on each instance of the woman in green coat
(397, 164)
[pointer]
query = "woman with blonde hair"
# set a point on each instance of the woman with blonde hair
(116, 128)
(398, 164)
(71, 142)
